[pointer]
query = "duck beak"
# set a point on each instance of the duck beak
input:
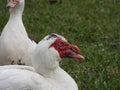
(12, 3)
(75, 56)
(72, 51)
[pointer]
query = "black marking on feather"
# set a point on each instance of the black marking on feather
(20, 62)
(12, 63)
(53, 35)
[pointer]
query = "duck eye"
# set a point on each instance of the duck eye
(60, 44)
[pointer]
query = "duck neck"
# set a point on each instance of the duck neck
(47, 65)
(45, 71)
(15, 14)
(17, 11)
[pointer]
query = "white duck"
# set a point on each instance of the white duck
(15, 45)
(47, 74)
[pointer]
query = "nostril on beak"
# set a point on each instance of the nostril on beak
(7, 6)
(75, 49)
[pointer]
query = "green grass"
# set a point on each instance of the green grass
(93, 25)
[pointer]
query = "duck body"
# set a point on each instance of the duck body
(25, 78)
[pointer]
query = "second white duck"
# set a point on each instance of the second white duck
(15, 46)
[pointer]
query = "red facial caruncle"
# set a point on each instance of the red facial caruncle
(12, 3)
(65, 49)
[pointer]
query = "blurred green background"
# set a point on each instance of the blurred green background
(93, 25)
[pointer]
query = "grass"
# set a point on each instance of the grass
(93, 25)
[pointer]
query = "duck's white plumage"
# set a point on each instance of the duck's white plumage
(46, 74)
(22, 79)
(25, 79)
(15, 46)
